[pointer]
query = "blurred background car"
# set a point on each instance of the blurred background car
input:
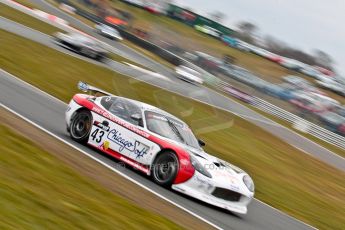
(333, 122)
(108, 31)
(208, 30)
(332, 84)
(298, 83)
(82, 44)
(188, 74)
(292, 64)
(313, 102)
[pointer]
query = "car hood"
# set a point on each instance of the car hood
(220, 170)
(224, 174)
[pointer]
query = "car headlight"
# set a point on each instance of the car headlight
(199, 167)
(249, 183)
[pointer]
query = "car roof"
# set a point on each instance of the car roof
(82, 37)
(147, 107)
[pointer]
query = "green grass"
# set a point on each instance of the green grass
(185, 36)
(27, 20)
(170, 30)
(149, 54)
(325, 144)
(28, 3)
(126, 42)
(288, 125)
(37, 191)
(43, 27)
(285, 178)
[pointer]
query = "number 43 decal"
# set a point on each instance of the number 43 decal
(97, 135)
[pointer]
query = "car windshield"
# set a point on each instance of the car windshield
(170, 128)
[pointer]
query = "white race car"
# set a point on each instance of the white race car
(188, 74)
(157, 144)
(83, 44)
(331, 84)
(108, 31)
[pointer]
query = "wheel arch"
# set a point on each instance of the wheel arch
(78, 111)
(185, 168)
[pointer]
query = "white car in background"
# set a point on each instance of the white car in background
(188, 74)
(82, 44)
(108, 31)
(208, 30)
(313, 102)
(332, 85)
(310, 71)
(301, 84)
(244, 46)
(292, 64)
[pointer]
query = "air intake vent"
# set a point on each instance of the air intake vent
(226, 194)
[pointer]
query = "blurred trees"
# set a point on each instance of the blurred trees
(217, 16)
(318, 57)
(247, 31)
(323, 59)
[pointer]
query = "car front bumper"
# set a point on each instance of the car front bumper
(199, 187)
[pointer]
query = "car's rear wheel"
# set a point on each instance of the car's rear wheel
(87, 52)
(165, 168)
(80, 127)
(100, 57)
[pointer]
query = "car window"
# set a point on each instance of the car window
(106, 102)
(122, 108)
(171, 128)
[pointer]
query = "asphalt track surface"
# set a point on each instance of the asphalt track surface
(198, 93)
(171, 83)
(49, 113)
(118, 47)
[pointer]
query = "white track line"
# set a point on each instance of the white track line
(120, 173)
(110, 167)
(148, 72)
(240, 115)
(96, 159)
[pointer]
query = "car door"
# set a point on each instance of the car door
(124, 134)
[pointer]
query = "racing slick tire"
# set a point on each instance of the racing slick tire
(88, 53)
(80, 127)
(101, 57)
(165, 168)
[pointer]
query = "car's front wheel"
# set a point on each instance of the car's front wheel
(101, 57)
(87, 52)
(81, 125)
(165, 168)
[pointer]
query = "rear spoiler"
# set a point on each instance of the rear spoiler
(92, 90)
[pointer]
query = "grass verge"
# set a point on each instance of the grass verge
(285, 178)
(185, 36)
(149, 54)
(37, 191)
(43, 27)
(288, 125)
(27, 20)
(126, 42)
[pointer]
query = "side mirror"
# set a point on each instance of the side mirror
(201, 142)
(137, 117)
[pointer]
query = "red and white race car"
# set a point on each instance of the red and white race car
(158, 144)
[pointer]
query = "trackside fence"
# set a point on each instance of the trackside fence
(216, 83)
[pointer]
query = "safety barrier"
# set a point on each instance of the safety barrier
(300, 123)
(297, 122)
